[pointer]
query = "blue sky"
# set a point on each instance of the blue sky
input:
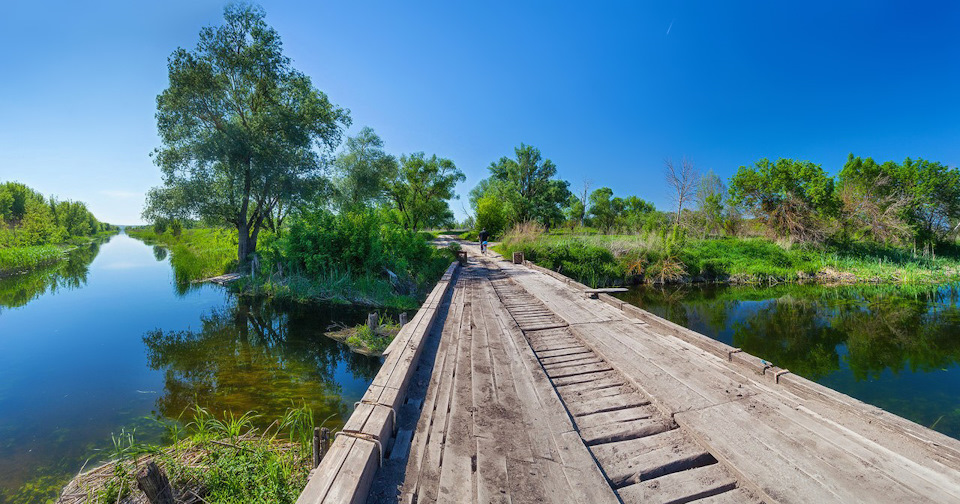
(606, 91)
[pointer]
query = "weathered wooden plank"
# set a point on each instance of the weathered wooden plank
(684, 486)
(456, 472)
(428, 482)
(736, 496)
(634, 460)
(613, 380)
(608, 403)
(588, 359)
(807, 464)
(579, 370)
(624, 415)
(620, 431)
(586, 378)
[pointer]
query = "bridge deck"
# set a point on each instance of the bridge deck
(538, 394)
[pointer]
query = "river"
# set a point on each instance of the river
(108, 340)
(896, 347)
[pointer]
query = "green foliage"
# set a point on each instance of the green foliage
(526, 188)
(363, 171)
(926, 193)
(19, 259)
(29, 219)
(792, 198)
(242, 131)
(420, 189)
(352, 256)
(196, 254)
(491, 215)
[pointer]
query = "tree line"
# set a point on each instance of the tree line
(28, 218)
(247, 141)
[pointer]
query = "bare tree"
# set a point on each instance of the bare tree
(583, 199)
(682, 181)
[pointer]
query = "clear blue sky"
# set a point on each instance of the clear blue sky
(605, 91)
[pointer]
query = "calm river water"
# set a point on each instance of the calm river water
(896, 347)
(108, 341)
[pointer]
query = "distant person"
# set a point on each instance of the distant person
(483, 241)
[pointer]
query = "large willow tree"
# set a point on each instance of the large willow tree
(243, 132)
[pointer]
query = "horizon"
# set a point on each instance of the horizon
(606, 93)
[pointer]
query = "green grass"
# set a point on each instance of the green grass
(599, 260)
(196, 253)
(338, 287)
(224, 458)
(21, 259)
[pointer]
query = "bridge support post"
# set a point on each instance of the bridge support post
(373, 322)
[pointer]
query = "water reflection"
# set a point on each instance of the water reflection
(897, 347)
(251, 356)
(18, 290)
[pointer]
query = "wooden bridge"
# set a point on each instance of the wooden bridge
(511, 385)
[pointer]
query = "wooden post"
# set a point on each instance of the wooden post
(324, 442)
(518, 258)
(462, 257)
(373, 321)
(316, 446)
(154, 484)
(403, 319)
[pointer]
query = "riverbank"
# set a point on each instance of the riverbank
(605, 260)
(19, 260)
(197, 254)
(224, 459)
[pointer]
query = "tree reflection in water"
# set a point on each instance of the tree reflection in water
(18, 290)
(256, 357)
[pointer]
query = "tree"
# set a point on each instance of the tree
(682, 181)
(711, 201)
(420, 189)
(529, 187)
(792, 198)
(240, 127)
(362, 171)
(603, 211)
(925, 195)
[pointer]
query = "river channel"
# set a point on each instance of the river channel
(896, 347)
(108, 341)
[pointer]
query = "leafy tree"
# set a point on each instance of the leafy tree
(603, 212)
(923, 194)
(792, 198)
(241, 129)
(362, 171)
(420, 189)
(711, 201)
(491, 216)
(528, 187)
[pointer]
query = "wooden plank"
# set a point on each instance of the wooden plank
(736, 496)
(681, 487)
(620, 431)
(456, 472)
(612, 380)
(428, 480)
(583, 369)
(624, 415)
(587, 378)
(776, 451)
(323, 476)
(418, 447)
(635, 460)
(608, 403)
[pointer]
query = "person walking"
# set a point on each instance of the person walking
(483, 241)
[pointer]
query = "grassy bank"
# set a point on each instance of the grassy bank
(599, 260)
(218, 459)
(17, 260)
(195, 253)
(401, 283)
